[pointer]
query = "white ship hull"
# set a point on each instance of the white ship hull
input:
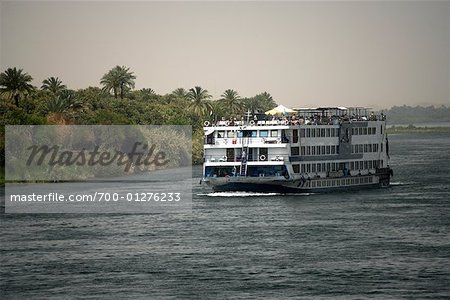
(328, 153)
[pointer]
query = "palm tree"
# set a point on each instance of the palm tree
(53, 85)
(64, 101)
(266, 100)
(199, 104)
(147, 93)
(179, 93)
(232, 101)
(119, 79)
(15, 82)
(252, 104)
(259, 103)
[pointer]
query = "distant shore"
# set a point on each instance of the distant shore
(417, 129)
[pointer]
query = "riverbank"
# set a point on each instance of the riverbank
(414, 129)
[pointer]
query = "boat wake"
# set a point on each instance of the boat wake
(401, 183)
(250, 194)
(238, 194)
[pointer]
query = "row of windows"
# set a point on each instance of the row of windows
(332, 167)
(338, 182)
(364, 130)
(253, 133)
(364, 148)
(315, 150)
(319, 132)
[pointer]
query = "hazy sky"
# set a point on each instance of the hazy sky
(375, 54)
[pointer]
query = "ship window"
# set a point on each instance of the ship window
(220, 134)
(313, 184)
(319, 169)
(365, 131)
(308, 168)
(333, 167)
(296, 168)
(317, 132)
(264, 133)
(374, 130)
(274, 133)
(313, 168)
(303, 168)
(308, 132)
(308, 150)
(303, 150)
(333, 149)
(295, 136)
(295, 151)
(366, 148)
(313, 150)
(328, 150)
(360, 131)
(323, 150)
(253, 133)
(328, 132)
(322, 132)
(302, 132)
(313, 132)
(230, 134)
(328, 167)
(239, 134)
(381, 129)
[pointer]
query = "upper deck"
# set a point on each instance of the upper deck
(301, 116)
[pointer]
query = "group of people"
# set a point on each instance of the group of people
(295, 119)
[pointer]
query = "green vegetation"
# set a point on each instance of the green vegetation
(413, 129)
(116, 102)
(413, 115)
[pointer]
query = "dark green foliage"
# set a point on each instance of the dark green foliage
(419, 114)
(117, 104)
(14, 83)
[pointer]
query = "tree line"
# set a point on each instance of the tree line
(116, 101)
(412, 115)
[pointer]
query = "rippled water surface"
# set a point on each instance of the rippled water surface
(382, 243)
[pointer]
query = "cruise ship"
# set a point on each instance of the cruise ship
(307, 150)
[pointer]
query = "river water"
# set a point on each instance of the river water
(382, 243)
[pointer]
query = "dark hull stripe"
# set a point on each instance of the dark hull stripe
(267, 188)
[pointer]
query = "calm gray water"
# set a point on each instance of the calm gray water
(383, 243)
